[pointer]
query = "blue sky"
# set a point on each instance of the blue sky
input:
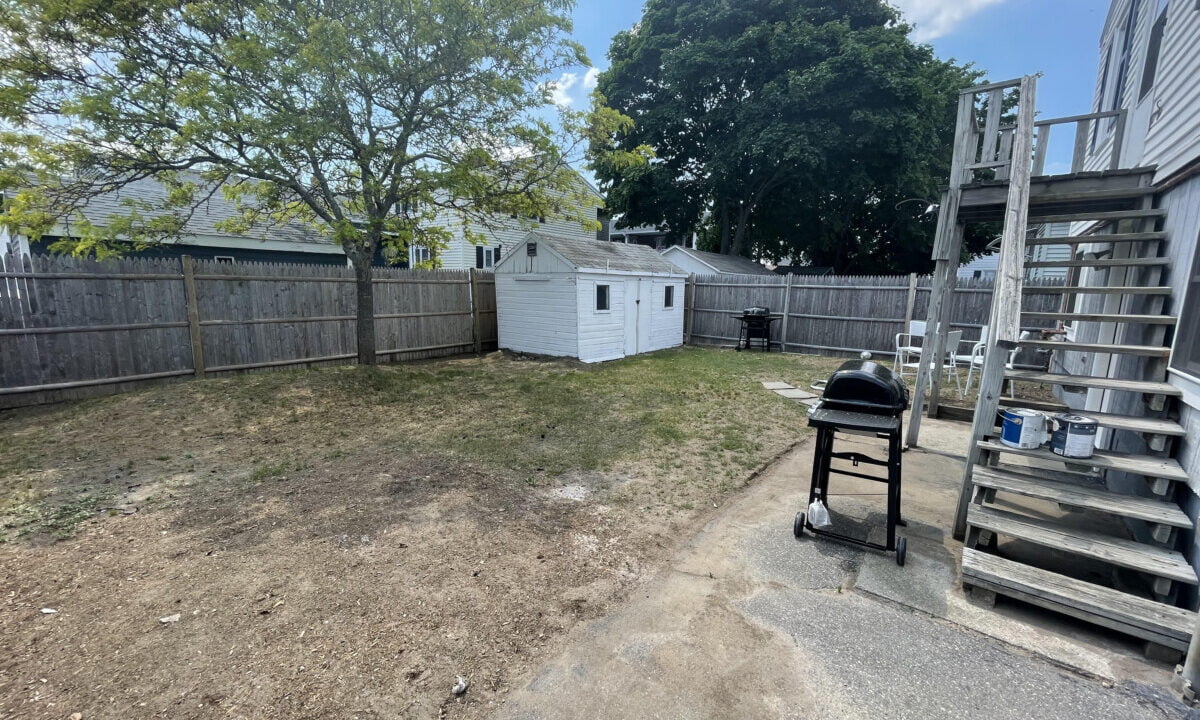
(1007, 38)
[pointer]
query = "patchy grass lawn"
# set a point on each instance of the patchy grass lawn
(344, 542)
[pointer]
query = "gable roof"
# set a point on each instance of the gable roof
(731, 264)
(604, 255)
(203, 221)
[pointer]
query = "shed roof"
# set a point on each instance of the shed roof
(732, 264)
(603, 255)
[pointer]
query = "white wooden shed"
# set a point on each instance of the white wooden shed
(587, 299)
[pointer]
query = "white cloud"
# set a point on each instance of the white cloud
(558, 89)
(934, 18)
(590, 78)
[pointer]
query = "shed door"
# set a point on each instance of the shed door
(637, 321)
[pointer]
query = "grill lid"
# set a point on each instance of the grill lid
(756, 311)
(865, 386)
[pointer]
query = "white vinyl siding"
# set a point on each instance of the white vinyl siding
(602, 333)
(538, 315)
(666, 324)
(1174, 136)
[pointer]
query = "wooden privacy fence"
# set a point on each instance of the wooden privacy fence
(71, 327)
(838, 314)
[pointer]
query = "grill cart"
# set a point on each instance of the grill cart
(755, 328)
(861, 397)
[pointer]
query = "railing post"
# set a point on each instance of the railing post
(1039, 152)
(193, 314)
(1081, 144)
(1118, 141)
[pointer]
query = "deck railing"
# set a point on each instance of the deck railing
(989, 146)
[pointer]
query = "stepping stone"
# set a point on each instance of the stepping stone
(775, 385)
(796, 394)
(811, 402)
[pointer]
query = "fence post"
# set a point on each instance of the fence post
(912, 301)
(193, 314)
(787, 304)
(476, 324)
(689, 305)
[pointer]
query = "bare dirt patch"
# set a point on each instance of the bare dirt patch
(346, 543)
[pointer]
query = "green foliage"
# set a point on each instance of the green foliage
(784, 128)
(363, 119)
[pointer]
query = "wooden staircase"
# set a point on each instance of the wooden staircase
(1036, 526)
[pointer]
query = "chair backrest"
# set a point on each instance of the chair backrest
(953, 339)
(916, 328)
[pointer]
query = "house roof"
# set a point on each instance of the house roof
(729, 264)
(202, 223)
(603, 255)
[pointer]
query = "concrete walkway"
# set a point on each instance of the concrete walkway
(751, 623)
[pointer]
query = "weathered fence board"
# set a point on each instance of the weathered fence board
(72, 327)
(841, 314)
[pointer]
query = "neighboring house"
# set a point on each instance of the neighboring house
(295, 242)
(983, 267)
(707, 263)
(588, 299)
(289, 242)
(506, 233)
(648, 236)
(1048, 253)
(1150, 67)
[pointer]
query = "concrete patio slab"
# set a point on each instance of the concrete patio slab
(750, 622)
(775, 385)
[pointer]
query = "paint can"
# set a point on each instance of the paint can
(1023, 428)
(1074, 436)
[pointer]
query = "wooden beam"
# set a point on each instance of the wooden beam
(1081, 145)
(476, 323)
(193, 314)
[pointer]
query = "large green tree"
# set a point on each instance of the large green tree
(784, 128)
(362, 118)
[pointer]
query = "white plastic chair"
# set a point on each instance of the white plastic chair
(948, 365)
(974, 360)
(906, 347)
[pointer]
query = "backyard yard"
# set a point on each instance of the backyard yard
(349, 542)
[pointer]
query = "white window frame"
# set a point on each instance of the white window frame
(419, 254)
(607, 298)
(226, 259)
(668, 297)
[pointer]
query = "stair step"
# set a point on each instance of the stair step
(1146, 350)
(1130, 506)
(1103, 383)
(1156, 561)
(1145, 425)
(1137, 616)
(1096, 290)
(1089, 239)
(1101, 317)
(1101, 263)
(1147, 465)
(1096, 216)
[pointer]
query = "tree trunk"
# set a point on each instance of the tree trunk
(364, 292)
(739, 233)
(724, 227)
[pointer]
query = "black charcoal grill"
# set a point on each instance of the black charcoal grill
(861, 397)
(755, 328)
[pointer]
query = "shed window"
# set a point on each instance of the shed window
(601, 298)
(1186, 355)
(224, 259)
(669, 296)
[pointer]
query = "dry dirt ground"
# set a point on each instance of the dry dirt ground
(346, 543)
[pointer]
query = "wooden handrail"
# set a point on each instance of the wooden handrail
(991, 86)
(1078, 118)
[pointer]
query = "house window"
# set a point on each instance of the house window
(225, 259)
(1186, 355)
(1126, 53)
(1152, 51)
(669, 296)
(1103, 93)
(418, 254)
(486, 258)
(601, 298)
